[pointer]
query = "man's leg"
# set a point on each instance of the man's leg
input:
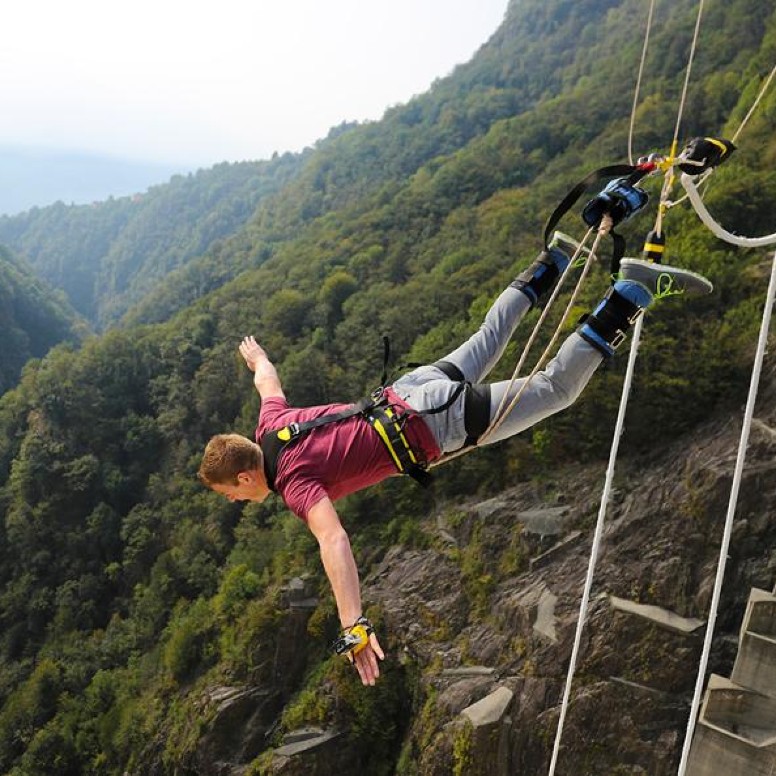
(548, 392)
(566, 375)
(473, 360)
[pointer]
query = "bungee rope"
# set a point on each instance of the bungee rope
(597, 537)
(762, 343)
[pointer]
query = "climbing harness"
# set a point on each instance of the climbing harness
(375, 410)
(353, 639)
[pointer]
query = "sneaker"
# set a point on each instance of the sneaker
(662, 280)
(565, 243)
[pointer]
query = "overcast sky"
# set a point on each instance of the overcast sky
(198, 83)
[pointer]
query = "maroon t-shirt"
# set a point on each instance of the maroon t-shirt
(338, 458)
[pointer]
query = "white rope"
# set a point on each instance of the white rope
(723, 552)
(755, 104)
(719, 231)
(638, 82)
(599, 527)
(687, 75)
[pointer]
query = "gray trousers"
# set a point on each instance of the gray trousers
(548, 392)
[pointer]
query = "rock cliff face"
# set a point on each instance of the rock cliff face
(484, 616)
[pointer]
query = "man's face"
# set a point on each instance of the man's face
(249, 487)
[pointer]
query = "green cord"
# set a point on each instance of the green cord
(664, 287)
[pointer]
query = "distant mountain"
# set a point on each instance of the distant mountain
(33, 318)
(106, 256)
(37, 177)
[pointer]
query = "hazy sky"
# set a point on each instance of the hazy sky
(198, 83)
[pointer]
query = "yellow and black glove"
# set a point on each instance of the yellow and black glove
(354, 638)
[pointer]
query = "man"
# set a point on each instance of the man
(428, 413)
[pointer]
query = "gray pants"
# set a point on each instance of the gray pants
(548, 392)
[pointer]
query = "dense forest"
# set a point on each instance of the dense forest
(126, 589)
(108, 255)
(33, 318)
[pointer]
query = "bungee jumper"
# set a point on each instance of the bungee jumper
(313, 456)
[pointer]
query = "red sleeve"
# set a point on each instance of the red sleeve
(301, 494)
(270, 415)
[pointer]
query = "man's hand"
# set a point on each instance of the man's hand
(252, 352)
(265, 377)
(366, 661)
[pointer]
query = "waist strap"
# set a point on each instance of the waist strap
(389, 428)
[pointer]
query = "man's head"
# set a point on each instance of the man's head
(233, 466)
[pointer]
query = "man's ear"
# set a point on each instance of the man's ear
(244, 478)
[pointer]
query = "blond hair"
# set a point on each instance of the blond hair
(225, 456)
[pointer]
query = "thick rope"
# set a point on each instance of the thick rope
(723, 552)
(599, 527)
(717, 230)
(638, 82)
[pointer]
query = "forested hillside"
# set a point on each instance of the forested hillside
(131, 598)
(108, 255)
(33, 318)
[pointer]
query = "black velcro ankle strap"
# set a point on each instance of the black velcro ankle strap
(614, 317)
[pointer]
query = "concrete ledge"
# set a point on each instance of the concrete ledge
(469, 671)
(755, 664)
(557, 549)
(662, 617)
(306, 744)
(739, 711)
(490, 709)
(717, 752)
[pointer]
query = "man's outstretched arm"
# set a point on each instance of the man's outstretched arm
(340, 567)
(265, 376)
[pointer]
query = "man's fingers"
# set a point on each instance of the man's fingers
(375, 644)
(366, 663)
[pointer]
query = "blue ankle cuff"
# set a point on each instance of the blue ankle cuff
(634, 292)
(595, 339)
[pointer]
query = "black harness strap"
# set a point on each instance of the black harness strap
(273, 443)
(476, 408)
(476, 413)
